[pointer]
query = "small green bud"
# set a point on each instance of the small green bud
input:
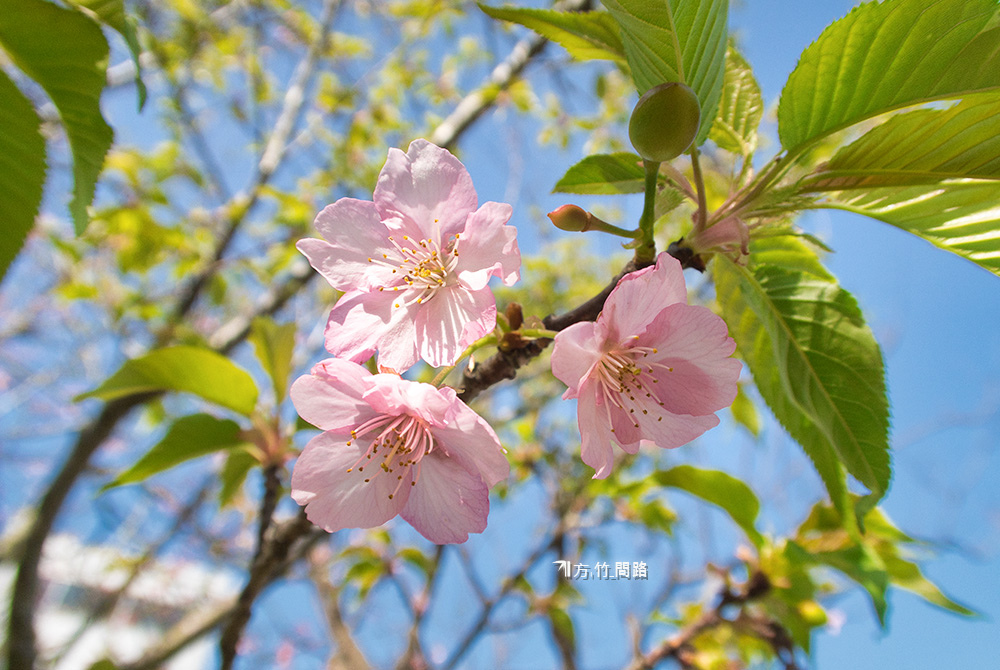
(664, 122)
(571, 218)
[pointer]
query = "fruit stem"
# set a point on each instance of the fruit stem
(645, 252)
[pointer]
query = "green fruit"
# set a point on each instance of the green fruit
(664, 122)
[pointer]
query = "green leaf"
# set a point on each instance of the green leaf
(187, 438)
(274, 345)
(604, 174)
(203, 372)
(921, 147)
(234, 472)
(676, 40)
(740, 109)
(907, 575)
(790, 252)
(22, 170)
(885, 56)
(718, 488)
(66, 53)
(962, 217)
(585, 35)
(112, 14)
(817, 366)
(745, 412)
(562, 624)
(862, 564)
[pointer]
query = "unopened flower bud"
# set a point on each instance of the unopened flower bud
(664, 122)
(571, 218)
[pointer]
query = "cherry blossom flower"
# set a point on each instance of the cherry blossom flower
(651, 368)
(415, 263)
(392, 446)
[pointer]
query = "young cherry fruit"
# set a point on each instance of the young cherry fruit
(664, 122)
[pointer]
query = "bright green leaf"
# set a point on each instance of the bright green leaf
(865, 567)
(22, 170)
(274, 345)
(718, 488)
(817, 366)
(234, 472)
(885, 56)
(562, 624)
(790, 252)
(66, 53)
(187, 438)
(962, 217)
(112, 14)
(676, 40)
(604, 174)
(203, 372)
(921, 147)
(585, 35)
(740, 109)
(745, 412)
(907, 575)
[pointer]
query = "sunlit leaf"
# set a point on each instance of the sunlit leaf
(199, 371)
(745, 412)
(889, 55)
(585, 35)
(921, 147)
(676, 40)
(239, 463)
(187, 438)
(907, 575)
(961, 217)
(112, 13)
(817, 366)
(22, 170)
(718, 488)
(274, 345)
(66, 53)
(604, 174)
(740, 109)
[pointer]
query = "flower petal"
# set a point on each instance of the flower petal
(694, 343)
(595, 432)
(427, 191)
(448, 501)
(574, 353)
(665, 429)
(356, 240)
(470, 440)
(361, 322)
(640, 296)
(330, 397)
(335, 498)
(488, 247)
(392, 395)
(452, 320)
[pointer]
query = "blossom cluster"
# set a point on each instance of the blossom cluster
(414, 266)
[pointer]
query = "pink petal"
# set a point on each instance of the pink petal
(361, 322)
(448, 501)
(574, 353)
(468, 439)
(640, 296)
(335, 498)
(452, 320)
(427, 190)
(330, 397)
(488, 247)
(658, 425)
(694, 342)
(355, 241)
(595, 432)
(392, 395)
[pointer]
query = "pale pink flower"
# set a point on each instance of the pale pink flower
(392, 446)
(651, 368)
(415, 263)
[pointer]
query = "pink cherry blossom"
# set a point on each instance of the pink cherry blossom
(415, 263)
(392, 446)
(651, 368)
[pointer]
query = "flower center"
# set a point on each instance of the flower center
(421, 268)
(626, 382)
(402, 441)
